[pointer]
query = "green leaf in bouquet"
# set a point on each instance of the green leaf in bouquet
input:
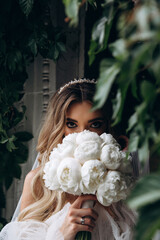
(146, 191)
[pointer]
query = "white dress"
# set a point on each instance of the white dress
(106, 227)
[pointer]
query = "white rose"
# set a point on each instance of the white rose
(109, 139)
(70, 138)
(50, 174)
(111, 156)
(86, 136)
(113, 189)
(86, 151)
(69, 175)
(92, 172)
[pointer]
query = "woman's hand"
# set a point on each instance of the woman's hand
(72, 223)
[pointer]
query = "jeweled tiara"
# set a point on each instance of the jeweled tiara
(81, 80)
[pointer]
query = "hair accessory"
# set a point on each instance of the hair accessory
(75, 81)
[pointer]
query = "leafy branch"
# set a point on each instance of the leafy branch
(128, 34)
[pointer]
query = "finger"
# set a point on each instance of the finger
(81, 199)
(87, 228)
(89, 212)
(87, 221)
(82, 212)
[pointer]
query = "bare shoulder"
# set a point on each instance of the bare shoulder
(31, 175)
(27, 197)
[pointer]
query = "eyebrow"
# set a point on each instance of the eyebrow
(70, 119)
(92, 120)
(96, 119)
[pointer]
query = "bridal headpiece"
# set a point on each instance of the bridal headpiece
(75, 81)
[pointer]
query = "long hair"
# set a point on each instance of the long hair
(48, 202)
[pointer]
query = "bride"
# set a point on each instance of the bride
(46, 214)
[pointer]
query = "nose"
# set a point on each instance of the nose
(82, 128)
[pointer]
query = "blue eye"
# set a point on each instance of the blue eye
(71, 124)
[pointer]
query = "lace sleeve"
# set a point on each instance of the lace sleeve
(55, 222)
(34, 230)
(24, 231)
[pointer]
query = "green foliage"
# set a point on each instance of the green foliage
(134, 55)
(128, 34)
(147, 191)
(149, 216)
(26, 6)
(72, 9)
(26, 30)
(146, 198)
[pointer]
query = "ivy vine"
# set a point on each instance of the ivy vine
(26, 30)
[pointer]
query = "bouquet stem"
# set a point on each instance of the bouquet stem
(84, 235)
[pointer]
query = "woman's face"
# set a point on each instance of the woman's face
(79, 117)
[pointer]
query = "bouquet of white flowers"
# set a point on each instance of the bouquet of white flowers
(86, 163)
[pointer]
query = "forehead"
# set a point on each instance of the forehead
(81, 110)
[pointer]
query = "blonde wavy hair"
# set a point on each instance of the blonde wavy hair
(48, 202)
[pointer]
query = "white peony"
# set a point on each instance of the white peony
(113, 189)
(50, 174)
(126, 164)
(90, 164)
(87, 151)
(86, 136)
(70, 138)
(108, 139)
(55, 154)
(92, 172)
(111, 156)
(69, 176)
(65, 149)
